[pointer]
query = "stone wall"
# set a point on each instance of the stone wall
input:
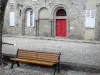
(89, 34)
(13, 30)
(75, 10)
(97, 27)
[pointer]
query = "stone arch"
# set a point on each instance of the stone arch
(39, 10)
(25, 8)
(43, 13)
(61, 12)
(44, 23)
(24, 20)
(54, 17)
(60, 6)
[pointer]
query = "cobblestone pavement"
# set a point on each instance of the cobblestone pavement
(37, 70)
(72, 52)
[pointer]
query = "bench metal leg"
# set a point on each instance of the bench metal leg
(58, 67)
(12, 64)
(18, 65)
(55, 68)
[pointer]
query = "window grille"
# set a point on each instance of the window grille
(61, 12)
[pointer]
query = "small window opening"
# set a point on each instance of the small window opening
(61, 12)
(20, 12)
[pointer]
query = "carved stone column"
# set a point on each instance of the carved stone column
(37, 27)
(52, 27)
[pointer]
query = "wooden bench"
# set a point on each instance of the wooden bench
(37, 57)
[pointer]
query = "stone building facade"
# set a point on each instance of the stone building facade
(93, 31)
(51, 18)
(97, 27)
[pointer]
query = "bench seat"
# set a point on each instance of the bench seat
(37, 57)
(33, 61)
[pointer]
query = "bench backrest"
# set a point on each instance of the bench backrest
(49, 57)
(25, 54)
(38, 55)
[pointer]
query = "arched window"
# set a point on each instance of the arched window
(61, 12)
(30, 18)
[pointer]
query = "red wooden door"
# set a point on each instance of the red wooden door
(61, 27)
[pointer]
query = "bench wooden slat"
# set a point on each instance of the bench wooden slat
(24, 54)
(30, 55)
(34, 61)
(39, 51)
(47, 58)
(22, 51)
(39, 57)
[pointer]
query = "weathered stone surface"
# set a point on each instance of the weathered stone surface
(72, 52)
(97, 27)
(75, 10)
(25, 69)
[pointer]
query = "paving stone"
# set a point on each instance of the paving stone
(28, 70)
(71, 52)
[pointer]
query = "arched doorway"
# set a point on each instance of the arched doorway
(61, 23)
(44, 23)
(28, 23)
